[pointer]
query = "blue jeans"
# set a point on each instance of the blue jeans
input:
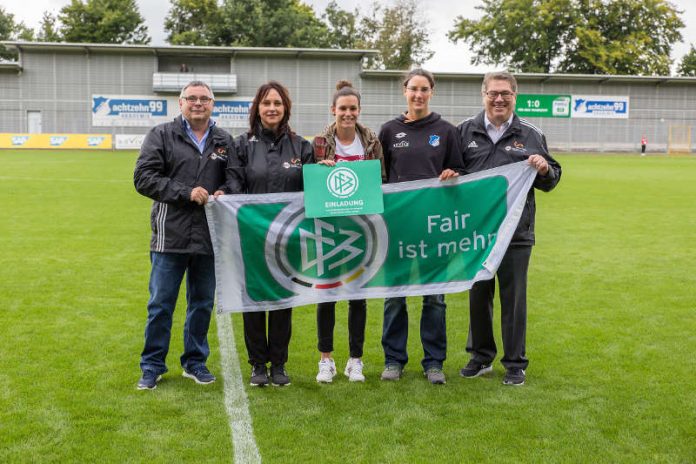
(432, 331)
(165, 279)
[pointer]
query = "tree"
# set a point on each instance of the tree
(624, 37)
(687, 67)
(103, 21)
(272, 23)
(402, 36)
(344, 26)
(248, 23)
(522, 35)
(11, 30)
(399, 33)
(48, 29)
(580, 36)
(192, 22)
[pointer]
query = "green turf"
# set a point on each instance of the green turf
(612, 336)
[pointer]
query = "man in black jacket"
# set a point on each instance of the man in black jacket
(181, 163)
(495, 137)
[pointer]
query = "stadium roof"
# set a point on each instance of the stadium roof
(10, 66)
(21, 46)
(540, 78)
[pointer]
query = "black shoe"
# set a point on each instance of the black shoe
(279, 378)
(200, 374)
(259, 376)
(148, 381)
(514, 376)
(474, 369)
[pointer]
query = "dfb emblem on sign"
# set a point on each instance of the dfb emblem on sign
(342, 182)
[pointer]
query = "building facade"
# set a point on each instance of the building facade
(106, 89)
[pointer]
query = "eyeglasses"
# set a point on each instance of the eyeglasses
(419, 89)
(193, 100)
(493, 95)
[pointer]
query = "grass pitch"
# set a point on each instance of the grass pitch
(611, 336)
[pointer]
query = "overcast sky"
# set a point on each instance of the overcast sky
(440, 14)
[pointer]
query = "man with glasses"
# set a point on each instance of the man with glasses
(181, 163)
(495, 137)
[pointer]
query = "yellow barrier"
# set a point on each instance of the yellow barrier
(57, 141)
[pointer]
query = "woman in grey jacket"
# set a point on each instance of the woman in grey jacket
(269, 159)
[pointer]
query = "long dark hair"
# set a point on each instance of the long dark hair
(254, 117)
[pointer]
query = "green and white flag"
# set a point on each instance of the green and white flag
(433, 237)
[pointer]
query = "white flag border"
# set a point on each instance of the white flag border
(232, 294)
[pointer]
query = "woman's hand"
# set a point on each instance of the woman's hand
(448, 174)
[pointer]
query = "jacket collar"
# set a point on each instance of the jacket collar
(363, 132)
(480, 125)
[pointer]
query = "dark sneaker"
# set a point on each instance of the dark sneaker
(259, 376)
(514, 376)
(200, 374)
(392, 372)
(148, 381)
(475, 369)
(435, 376)
(279, 378)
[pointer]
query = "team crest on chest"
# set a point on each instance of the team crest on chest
(434, 140)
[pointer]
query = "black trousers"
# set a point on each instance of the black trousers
(274, 348)
(512, 279)
(357, 318)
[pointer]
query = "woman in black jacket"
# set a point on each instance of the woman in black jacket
(418, 144)
(269, 160)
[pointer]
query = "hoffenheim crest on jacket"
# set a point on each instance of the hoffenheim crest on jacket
(434, 140)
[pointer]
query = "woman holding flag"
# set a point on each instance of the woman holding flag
(269, 160)
(345, 139)
(418, 144)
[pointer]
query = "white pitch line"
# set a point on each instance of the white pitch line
(236, 403)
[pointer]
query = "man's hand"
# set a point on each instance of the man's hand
(448, 174)
(218, 193)
(539, 163)
(199, 195)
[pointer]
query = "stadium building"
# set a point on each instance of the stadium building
(120, 91)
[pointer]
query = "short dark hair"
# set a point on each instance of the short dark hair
(419, 72)
(255, 117)
(499, 76)
(196, 84)
(345, 89)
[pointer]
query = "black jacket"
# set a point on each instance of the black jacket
(419, 149)
(264, 163)
(518, 142)
(168, 168)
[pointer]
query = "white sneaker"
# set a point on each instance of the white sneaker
(354, 369)
(327, 371)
